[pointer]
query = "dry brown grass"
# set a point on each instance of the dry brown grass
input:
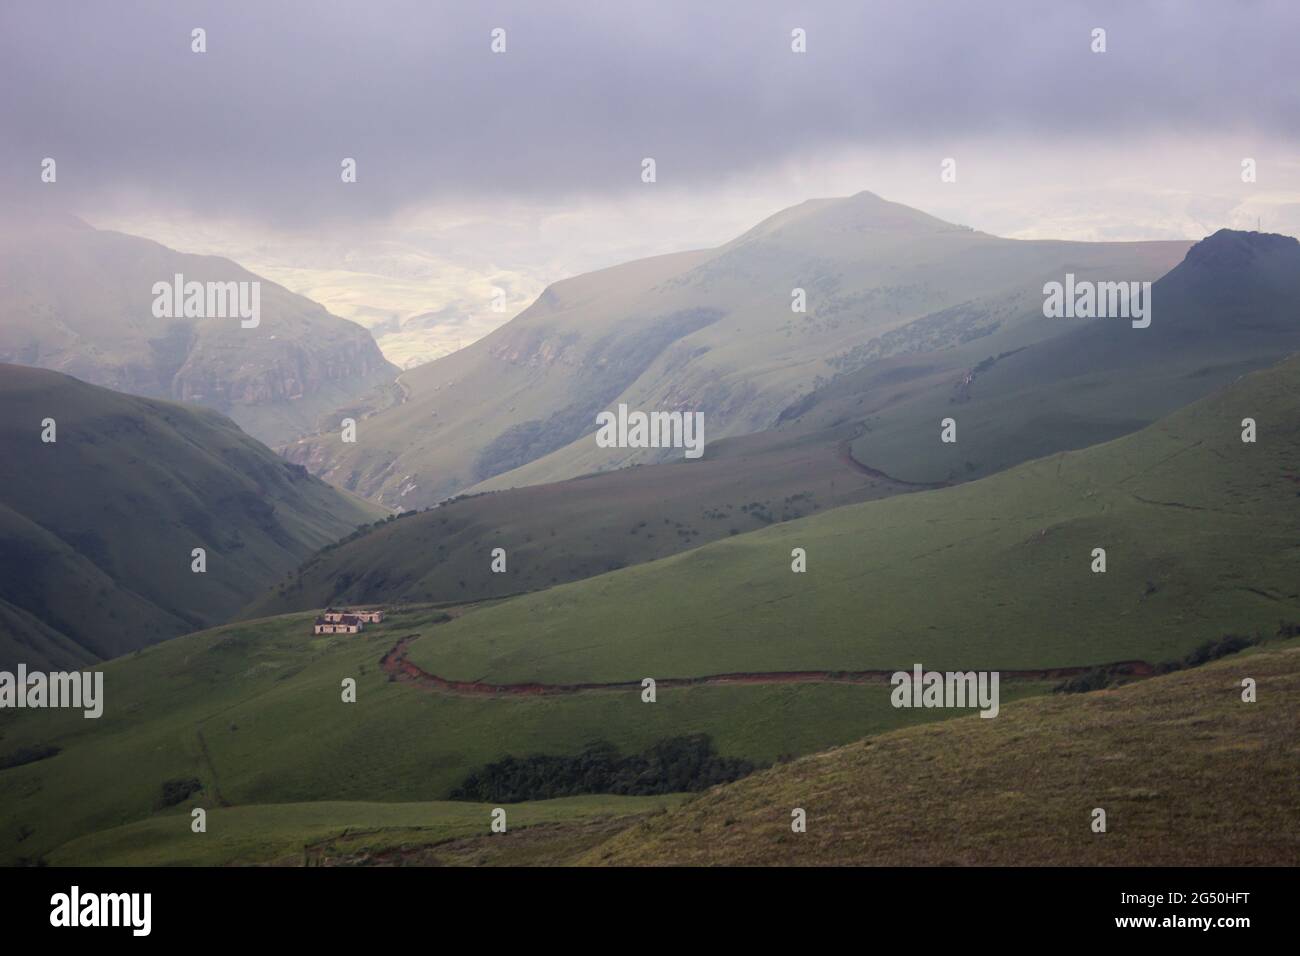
(1187, 773)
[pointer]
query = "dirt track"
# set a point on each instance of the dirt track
(844, 452)
(396, 664)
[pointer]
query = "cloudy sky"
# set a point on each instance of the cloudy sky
(510, 170)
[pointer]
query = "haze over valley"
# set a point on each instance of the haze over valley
(445, 434)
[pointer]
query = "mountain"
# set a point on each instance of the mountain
(1232, 305)
(711, 331)
(1199, 528)
(1200, 533)
(1029, 385)
(1020, 790)
(564, 531)
(98, 526)
(80, 301)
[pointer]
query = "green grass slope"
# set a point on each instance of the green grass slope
(1188, 774)
(1200, 530)
(1201, 534)
(253, 711)
(26, 638)
(314, 833)
(61, 609)
(565, 531)
(97, 528)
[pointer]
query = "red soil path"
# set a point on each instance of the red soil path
(396, 664)
(844, 452)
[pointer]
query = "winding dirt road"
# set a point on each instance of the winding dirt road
(844, 452)
(396, 664)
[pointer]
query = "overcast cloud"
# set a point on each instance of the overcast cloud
(257, 126)
(480, 172)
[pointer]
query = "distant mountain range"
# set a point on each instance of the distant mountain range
(1198, 526)
(1029, 387)
(1231, 306)
(98, 527)
(79, 300)
(769, 587)
(711, 331)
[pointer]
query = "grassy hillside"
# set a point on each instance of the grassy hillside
(1201, 540)
(710, 331)
(1187, 773)
(565, 531)
(1199, 529)
(253, 711)
(289, 774)
(79, 300)
(1019, 393)
(1232, 306)
(61, 610)
(97, 528)
(1021, 386)
(327, 832)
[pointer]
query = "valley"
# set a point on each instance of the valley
(252, 710)
(99, 526)
(1229, 308)
(722, 435)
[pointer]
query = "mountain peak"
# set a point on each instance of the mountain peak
(1232, 273)
(1233, 249)
(863, 212)
(24, 218)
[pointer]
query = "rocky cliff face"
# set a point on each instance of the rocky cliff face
(289, 371)
(80, 301)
